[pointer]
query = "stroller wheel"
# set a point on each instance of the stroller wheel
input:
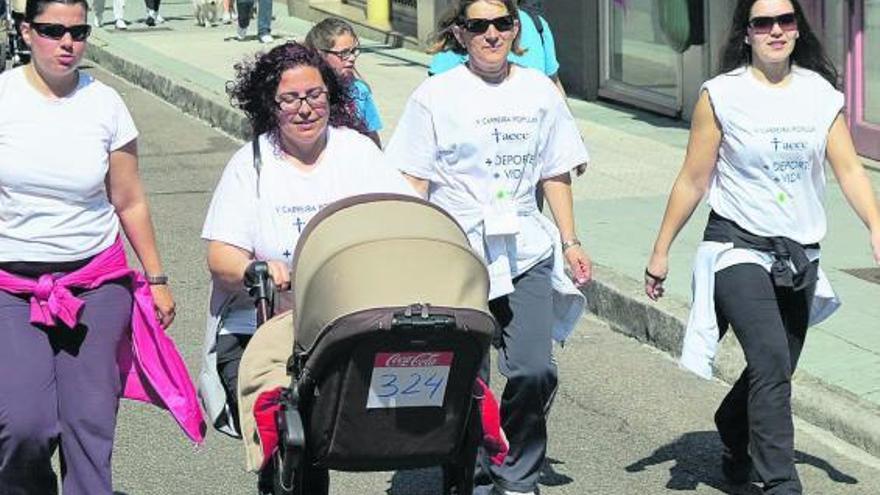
(458, 477)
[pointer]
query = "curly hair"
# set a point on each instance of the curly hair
(257, 79)
(808, 51)
(444, 39)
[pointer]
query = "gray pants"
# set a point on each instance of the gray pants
(264, 15)
(525, 347)
(755, 417)
(60, 384)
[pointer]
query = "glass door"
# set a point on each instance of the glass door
(863, 78)
(637, 66)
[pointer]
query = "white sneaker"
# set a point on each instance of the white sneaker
(97, 21)
(241, 33)
(226, 18)
(159, 19)
(266, 38)
(121, 24)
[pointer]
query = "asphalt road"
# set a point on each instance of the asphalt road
(626, 421)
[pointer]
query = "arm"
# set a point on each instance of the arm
(228, 263)
(557, 191)
(126, 192)
(853, 180)
(690, 186)
(420, 185)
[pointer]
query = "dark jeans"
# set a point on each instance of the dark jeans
(525, 358)
(153, 4)
(770, 324)
(229, 351)
(264, 15)
(60, 385)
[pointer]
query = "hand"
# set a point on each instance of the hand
(163, 301)
(580, 265)
(280, 272)
(655, 275)
(875, 245)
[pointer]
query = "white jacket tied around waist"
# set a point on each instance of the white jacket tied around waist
(702, 334)
(568, 301)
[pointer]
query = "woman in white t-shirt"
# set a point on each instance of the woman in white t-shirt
(68, 184)
(761, 133)
(313, 152)
(477, 140)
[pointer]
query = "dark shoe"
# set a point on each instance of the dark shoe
(737, 469)
(150, 21)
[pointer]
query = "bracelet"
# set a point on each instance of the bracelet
(574, 241)
(160, 279)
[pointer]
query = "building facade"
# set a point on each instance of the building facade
(617, 50)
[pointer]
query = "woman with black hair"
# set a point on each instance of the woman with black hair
(312, 152)
(760, 135)
(79, 329)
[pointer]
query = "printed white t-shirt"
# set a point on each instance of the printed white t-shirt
(269, 227)
(476, 141)
(770, 175)
(54, 158)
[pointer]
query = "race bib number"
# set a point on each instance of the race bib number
(409, 379)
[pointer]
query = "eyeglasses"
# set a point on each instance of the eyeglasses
(480, 26)
(764, 24)
(316, 98)
(53, 31)
(345, 54)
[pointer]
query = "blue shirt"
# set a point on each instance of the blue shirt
(366, 107)
(538, 55)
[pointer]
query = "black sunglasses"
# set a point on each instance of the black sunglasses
(764, 24)
(78, 32)
(479, 26)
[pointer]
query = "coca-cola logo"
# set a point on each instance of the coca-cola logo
(412, 359)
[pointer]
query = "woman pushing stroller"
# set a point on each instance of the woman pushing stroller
(309, 150)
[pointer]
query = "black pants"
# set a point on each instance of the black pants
(153, 4)
(770, 324)
(229, 351)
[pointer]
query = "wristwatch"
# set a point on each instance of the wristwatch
(574, 241)
(160, 279)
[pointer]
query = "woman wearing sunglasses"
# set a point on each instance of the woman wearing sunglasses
(69, 304)
(476, 140)
(760, 135)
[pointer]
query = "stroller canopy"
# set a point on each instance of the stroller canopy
(381, 251)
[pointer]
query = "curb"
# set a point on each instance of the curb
(186, 96)
(614, 298)
(619, 301)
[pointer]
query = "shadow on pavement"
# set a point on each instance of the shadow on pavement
(430, 481)
(696, 458)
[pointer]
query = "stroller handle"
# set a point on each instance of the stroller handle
(259, 285)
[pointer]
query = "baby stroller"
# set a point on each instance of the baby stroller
(390, 324)
(13, 50)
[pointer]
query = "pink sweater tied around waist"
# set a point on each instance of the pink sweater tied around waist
(150, 365)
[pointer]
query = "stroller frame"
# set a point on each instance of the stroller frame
(306, 451)
(13, 50)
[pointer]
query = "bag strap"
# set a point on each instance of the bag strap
(536, 19)
(258, 161)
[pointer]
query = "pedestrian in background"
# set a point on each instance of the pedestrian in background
(72, 313)
(245, 10)
(339, 44)
(760, 135)
(118, 14)
(153, 17)
(476, 140)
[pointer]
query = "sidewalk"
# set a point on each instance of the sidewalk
(619, 203)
